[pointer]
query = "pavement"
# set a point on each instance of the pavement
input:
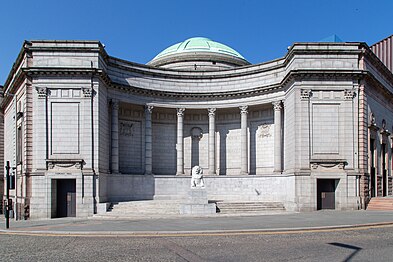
(183, 225)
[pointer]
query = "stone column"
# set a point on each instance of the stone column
(179, 145)
(148, 141)
(244, 146)
(277, 105)
(115, 136)
(212, 141)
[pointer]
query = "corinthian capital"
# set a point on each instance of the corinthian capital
(180, 111)
(277, 105)
(115, 104)
(211, 111)
(149, 109)
(41, 91)
(243, 109)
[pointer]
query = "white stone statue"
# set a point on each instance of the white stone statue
(197, 177)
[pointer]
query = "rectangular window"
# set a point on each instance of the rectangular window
(19, 144)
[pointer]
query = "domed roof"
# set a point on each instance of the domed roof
(199, 44)
(198, 49)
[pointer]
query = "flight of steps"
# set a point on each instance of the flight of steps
(381, 203)
(249, 207)
(171, 208)
(142, 209)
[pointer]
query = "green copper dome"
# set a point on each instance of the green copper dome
(198, 53)
(199, 44)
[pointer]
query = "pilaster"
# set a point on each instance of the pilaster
(148, 141)
(277, 105)
(115, 136)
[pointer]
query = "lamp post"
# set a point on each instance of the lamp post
(10, 184)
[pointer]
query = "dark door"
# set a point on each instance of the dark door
(66, 198)
(384, 181)
(384, 171)
(326, 195)
(372, 182)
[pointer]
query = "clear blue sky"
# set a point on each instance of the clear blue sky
(138, 30)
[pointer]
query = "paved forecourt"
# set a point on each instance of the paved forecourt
(323, 220)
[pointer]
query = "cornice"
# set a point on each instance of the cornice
(225, 73)
(176, 74)
(379, 65)
(293, 75)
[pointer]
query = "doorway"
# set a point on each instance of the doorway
(66, 198)
(326, 193)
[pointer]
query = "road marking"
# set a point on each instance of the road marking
(196, 234)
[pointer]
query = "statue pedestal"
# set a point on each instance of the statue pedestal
(197, 203)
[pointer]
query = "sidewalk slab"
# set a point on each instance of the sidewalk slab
(273, 222)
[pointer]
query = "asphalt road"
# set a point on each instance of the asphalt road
(373, 244)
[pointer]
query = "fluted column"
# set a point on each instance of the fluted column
(244, 146)
(212, 141)
(179, 145)
(148, 141)
(277, 105)
(115, 136)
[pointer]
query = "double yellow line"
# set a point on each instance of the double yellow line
(197, 234)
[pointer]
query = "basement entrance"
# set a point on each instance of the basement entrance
(326, 193)
(66, 198)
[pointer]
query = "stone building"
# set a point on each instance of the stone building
(310, 130)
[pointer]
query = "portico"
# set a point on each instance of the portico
(218, 139)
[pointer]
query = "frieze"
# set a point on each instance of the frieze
(327, 163)
(264, 131)
(65, 164)
(126, 128)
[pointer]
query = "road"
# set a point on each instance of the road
(372, 244)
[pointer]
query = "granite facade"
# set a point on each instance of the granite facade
(281, 128)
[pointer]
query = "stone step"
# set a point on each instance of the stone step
(168, 208)
(249, 207)
(145, 208)
(381, 203)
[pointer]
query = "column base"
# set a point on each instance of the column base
(242, 173)
(180, 174)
